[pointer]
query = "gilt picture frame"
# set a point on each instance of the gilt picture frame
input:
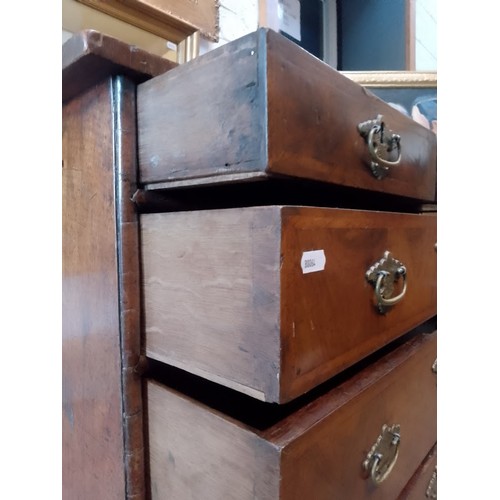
(174, 20)
(414, 93)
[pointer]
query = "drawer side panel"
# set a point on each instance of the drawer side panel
(211, 295)
(195, 453)
(205, 118)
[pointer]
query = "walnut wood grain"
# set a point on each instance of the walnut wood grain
(92, 391)
(103, 443)
(328, 319)
(316, 452)
(128, 270)
(314, 130)
(90, 56)
(261, 105)
(225, 296)
(103, 448)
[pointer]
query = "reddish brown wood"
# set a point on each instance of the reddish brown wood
(225, 296)
(313, 113)
(330, 458)
(316, 452)
(263, 107)
(92, 403)
(266, 349)
(103, 444)
(103, 453)
(128, 268)
(328, 319)
(418, 488)
(89, 56)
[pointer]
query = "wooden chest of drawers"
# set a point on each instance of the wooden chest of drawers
(316, 451)
(227, 296)
(262, 107)
(214, 348)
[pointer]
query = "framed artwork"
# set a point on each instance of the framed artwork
(413, 93)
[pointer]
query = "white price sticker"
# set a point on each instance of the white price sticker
(313, 261)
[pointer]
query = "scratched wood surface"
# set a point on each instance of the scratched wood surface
(90, 56)
(261, 107)
(315, 452)
(225, 296)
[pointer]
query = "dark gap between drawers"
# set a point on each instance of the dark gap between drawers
(270, 191)
(252, 412)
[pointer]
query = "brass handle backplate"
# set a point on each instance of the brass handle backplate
(382, 275)
(431, 491)
(383, 146)
(382, 457)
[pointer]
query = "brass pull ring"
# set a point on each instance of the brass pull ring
(373, 149)
(382, 276)
(378, 474)
(380, 148)
(381, 300)
(383, 455)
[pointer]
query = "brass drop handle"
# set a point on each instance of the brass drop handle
(382, 275)
(381, 143)
(379, 287)
(383, 455)
(431, 491)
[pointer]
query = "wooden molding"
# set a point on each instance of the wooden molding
(173, 20)
(89, 56)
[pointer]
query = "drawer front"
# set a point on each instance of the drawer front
(316, 452)
(423, 484)
(228, 295)
(331, 319)
(261, 106)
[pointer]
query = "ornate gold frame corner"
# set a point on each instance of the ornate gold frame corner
(410, 79)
